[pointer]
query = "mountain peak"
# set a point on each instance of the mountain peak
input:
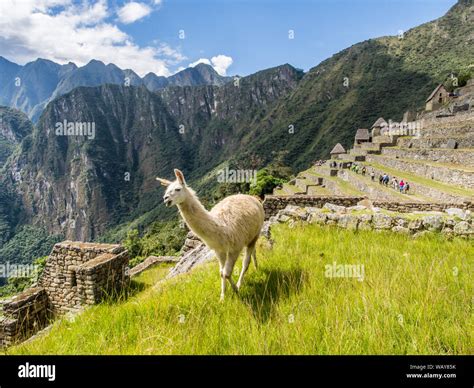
(96, 62)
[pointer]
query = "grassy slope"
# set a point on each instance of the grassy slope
(411, 302)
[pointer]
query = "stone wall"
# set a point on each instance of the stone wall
(407, 207)
(461, 157)
(274, 203)
(459, 124)
(453, 222)
(441, 142)
(76, 274)
(23, 315)
(75, 271)
(446, 175)
(102, 277)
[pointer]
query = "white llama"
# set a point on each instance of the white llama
(231, 225)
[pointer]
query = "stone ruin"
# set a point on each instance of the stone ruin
(76, 274)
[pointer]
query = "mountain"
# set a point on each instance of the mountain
(7, 73)
(14, 127)
(32, 84)
(198, 75)
(80, 187)
(95, 182)
(31, 87)
(386, 76)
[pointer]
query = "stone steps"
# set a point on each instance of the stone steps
(324, 170)
(455, 175)
(335, 185)
(316, 180)
(288, 189)
(305, 184)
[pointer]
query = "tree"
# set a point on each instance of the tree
(265, 183)
(133, 243)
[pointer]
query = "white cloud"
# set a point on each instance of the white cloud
(133, 11)
(220, 63)
(63, 31)
(200, 60)
(172, 55)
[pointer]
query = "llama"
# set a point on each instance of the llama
(231, 225)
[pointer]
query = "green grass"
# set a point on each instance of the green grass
(416, 298)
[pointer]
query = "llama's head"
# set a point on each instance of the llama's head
(177, 191)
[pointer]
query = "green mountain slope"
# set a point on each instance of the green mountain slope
(386, 77)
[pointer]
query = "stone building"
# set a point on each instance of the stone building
(362, 136)
(377, 127)
(76, 274)
(438, 97)
(337, 150)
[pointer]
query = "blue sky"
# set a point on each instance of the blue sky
(235, 36)
(255, 33)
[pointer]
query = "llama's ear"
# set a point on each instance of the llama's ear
(179, 176)
(164, 182)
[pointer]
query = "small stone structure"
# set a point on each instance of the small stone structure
(76, 274)
(24, 315)
(377, 127)
(438, 97)
(362, 136)
(337, 150)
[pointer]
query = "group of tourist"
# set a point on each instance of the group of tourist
(402, 185)
(384, 179)
(318, 163)
(358, 169)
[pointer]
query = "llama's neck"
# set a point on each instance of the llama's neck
(199, 220)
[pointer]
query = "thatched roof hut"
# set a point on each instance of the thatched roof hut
(338, 149)
(379, 123)
(362, 135)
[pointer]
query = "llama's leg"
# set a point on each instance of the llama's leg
(254, 251)
(229, 267)
(254, 255)
(245, 265)
(221, 258)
